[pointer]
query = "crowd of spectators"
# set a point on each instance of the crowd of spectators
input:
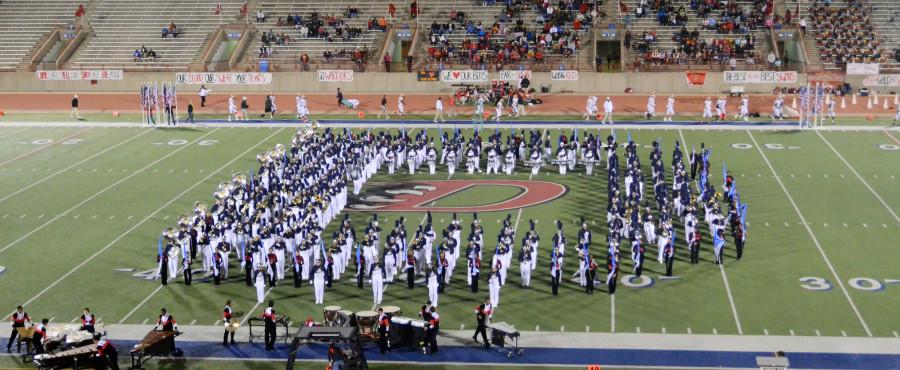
(495, 92)
(845, 34)
(508, 40)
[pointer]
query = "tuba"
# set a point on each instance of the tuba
(239, 179)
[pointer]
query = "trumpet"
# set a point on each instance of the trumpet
(239, 179)
(169, 233)
(184, 221)
(199, 207)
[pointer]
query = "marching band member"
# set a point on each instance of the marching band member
(318, 280)
(384, 331)
(561, 160)
(637, 254)
(492, 160)
(432, 157)
(591, 274)
(17, 320)
(298, 268)
(165, 321)
(669, 257)
(88, 321)
(589, 157)
(474, 268)
(259, 279)
(227, 314)
(269, 316)
(535, 161)
(431, 280)
(106, 354)
(555, 270)
(442, 268)
(613, 271)
(482, 312)
(451, 162)
(525, 263)
(510, 161)
(39, 338)
(410, 269)
(494, 285)
(377, 276)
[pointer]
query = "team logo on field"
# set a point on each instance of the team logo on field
(418, 196)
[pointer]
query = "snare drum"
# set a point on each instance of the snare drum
(331, 314)
(367, 321)
(392, 311)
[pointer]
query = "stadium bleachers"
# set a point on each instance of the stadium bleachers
(121, 26)
(476, 12)
(884, 17)
(24, 22)
(664, 41)
(287, 55)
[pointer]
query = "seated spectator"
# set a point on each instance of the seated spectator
(260, 16)
(173, 30)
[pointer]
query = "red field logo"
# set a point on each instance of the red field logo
(417, 196)
(593, 367)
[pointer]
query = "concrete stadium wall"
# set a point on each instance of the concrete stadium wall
(376, 82)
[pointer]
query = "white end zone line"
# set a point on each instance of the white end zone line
(812, 235)
(88, 199)
(734, 312)
(142, 221)
(72, 166)
(863, 180)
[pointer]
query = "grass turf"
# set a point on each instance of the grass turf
(89, 214)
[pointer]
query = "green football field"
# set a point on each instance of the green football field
(81, 209)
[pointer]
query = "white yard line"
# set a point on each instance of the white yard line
(72, 166)
(866, 183)
(13, 133)
(88, 199)
(133, 310)
(145, 219)
(812, 235)
(250, 313)
(612, 313)
(734, 312)
(42, 147)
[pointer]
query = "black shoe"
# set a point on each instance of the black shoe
(232, 342)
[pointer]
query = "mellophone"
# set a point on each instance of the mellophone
(155, 343)
(79, 357)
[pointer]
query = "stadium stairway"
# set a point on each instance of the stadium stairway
(23, 23)
(118, 27)
(286, 57)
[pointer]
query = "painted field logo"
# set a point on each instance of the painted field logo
(417, 196)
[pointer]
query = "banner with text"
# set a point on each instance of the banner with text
(882, 80)
(862, 68)
(223, 78)
(513, 75)
(426, 76)
(79, 75)
(464, 76)
(760, 77)
(335, 75)
(564, 75)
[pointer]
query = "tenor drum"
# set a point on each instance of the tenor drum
(331, 315)
(367, 321)
(392, 311)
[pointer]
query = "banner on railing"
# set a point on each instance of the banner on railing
(80, 75)
(223, 78)
(426, 76)
(760, 77)
(464, 76)
(564, 75)
(335, 75)
(506, 75)
(695, 78)
(882, 81)
(862, 68)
